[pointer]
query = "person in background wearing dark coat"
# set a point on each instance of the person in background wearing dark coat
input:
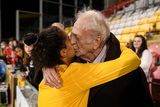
(34, 77)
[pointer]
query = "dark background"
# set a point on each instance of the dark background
(9, 7)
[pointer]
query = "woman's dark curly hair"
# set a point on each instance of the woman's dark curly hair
(46, 51)
(143, 46)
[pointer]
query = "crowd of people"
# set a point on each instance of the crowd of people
(88, 68)
(18, 54)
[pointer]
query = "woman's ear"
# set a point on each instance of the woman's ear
(63, 53)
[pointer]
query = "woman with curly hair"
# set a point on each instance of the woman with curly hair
(54, 49)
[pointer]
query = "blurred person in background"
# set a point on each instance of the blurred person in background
(15, 43)
(20, 65)
(21, 57)
(2, 71)
(2, 51)
(34, 77)
(140, 47)
(10, 53)
(3, 46)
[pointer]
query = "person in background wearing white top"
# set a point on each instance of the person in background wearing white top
(140, 47)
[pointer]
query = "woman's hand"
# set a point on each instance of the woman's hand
(51, 78)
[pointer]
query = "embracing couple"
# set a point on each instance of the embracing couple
(103, 73)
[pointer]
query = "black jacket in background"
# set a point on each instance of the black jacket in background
(34, 77)
(130, 90)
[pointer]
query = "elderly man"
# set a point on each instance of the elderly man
(93, 42)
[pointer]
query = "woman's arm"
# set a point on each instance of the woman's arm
(89, 75)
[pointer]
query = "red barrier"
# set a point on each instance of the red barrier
(116, 7)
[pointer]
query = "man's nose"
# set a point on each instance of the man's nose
(73, 40)
(75, 46)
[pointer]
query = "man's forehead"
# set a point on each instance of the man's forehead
(82, 20)
(77, 29)
(77, 25)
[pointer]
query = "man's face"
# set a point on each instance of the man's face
(82, 40)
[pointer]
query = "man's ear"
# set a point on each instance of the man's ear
(63, 53)
(97, 42)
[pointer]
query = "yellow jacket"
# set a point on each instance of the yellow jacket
(78, 78)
